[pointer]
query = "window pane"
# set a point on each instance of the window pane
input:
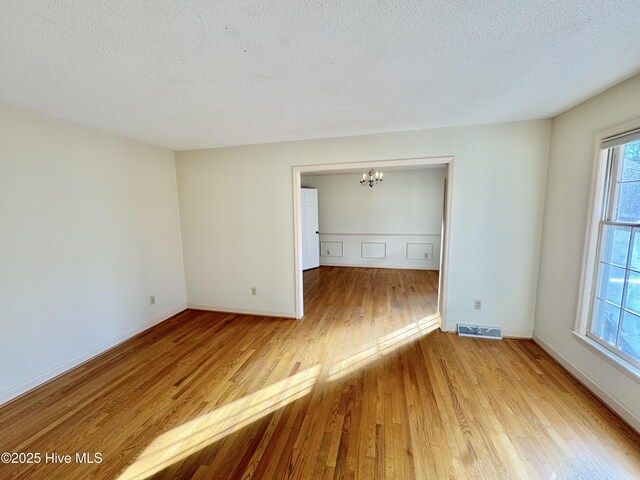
(632, 301)
(615, 244)
(628, 208)
(611, 281)
(635, 253)
(605, 321)
(631, 162)
(630, 335)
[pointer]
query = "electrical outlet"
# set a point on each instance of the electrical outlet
(152, 300)
(328, 252)
(477, 304)
(253, 291)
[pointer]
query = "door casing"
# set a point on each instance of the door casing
(447, 161)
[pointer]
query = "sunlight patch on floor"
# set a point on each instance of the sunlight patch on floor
(189, 438)
(201, 432)
(384, 346)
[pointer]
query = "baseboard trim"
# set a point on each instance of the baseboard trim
(16, 392)
(523, 334)
(617, 407)
(395, 267)
(241, 311)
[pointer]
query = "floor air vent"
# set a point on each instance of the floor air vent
(481, 332)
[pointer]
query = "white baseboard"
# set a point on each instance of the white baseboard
(241, 311)
(54, 372)
(632, 420)
(354, 265)
(515, 333)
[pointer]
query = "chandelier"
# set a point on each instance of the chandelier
(372, 178)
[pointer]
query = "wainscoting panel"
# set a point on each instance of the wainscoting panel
(384, 250)
(373, 250)
(331, 249)
(419, 251)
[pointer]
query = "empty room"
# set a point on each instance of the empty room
(319, 240)
(386, 240)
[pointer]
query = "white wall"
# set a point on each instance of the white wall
(236, 209)
(407, 201)
(566, 213)
(406, 208)
(89, 229)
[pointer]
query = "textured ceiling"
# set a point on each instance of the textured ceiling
(194, 74)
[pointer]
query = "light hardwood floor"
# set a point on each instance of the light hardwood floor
(362, 387)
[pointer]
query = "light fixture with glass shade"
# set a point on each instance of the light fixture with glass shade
(372, 178)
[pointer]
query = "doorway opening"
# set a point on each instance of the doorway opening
(403, 249)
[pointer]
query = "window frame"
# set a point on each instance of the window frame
(603, 185)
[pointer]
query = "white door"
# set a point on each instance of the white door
(310, 239)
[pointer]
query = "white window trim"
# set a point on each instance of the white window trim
(609, 356)
(590, 254)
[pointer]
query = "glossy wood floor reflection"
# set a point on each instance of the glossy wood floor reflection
(363, 388)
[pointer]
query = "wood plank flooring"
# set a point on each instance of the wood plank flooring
(362, 388)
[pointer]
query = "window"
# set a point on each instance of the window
(614, 314)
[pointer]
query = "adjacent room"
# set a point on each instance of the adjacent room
(344, 240)
(389, 237)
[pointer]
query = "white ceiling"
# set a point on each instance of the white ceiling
(201, 73)
(386, 169)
